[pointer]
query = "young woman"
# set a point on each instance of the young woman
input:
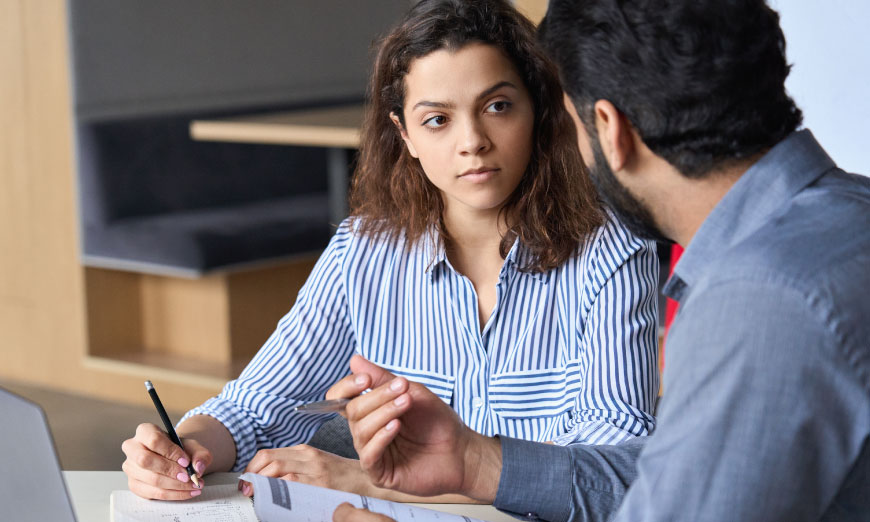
(477, 261)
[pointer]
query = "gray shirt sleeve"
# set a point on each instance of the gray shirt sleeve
(577, 482)
(762, 416)
(762, 419)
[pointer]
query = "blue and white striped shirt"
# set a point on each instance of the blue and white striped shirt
(569, 355)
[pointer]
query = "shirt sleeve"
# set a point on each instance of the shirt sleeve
(309, 350)
(619, 341)
(763, 419)
(578, 482)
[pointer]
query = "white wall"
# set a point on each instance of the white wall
(828, 43)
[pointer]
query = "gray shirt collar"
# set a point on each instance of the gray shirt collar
(789, 166)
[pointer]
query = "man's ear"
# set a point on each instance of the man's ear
(614, 134)
(398, 124)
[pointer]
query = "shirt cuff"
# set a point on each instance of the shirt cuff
(545, 466)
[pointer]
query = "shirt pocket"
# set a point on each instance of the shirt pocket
(440, 384)
(535, 394)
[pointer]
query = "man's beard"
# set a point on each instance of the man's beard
(630, 211)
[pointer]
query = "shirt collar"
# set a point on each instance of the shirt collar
(767, 185)
(433, 252)
(435, 255)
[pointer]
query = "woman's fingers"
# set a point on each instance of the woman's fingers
(199, 455)
(347, 513)
(156, 467)
(152, 467)
(146, 476)
(261, 459)
(149, 491)
(158, 442)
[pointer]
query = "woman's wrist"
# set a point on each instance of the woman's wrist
(214, 436)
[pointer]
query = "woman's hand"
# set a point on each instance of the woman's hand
(347, 513)
(310, 465)
(155, 466)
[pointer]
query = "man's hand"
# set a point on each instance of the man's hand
(411, 441)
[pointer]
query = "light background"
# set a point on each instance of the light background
(828, 44)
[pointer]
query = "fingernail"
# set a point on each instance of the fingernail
(401, 400)
(182, 477)
(360, 380)
(246, 489)
(391, 425)
(183, 462)
(195, 492)
(396, 385)
(199, 466)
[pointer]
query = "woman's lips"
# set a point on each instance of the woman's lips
(479, 175)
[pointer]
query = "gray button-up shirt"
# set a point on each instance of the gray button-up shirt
(766, 409)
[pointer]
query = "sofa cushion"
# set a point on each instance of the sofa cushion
(196, 241)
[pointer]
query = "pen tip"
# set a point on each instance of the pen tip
(195, 481)
(149, 386)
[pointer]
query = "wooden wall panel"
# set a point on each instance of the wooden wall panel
(42, 299)
(533, 9)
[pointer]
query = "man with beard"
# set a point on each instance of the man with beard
(682, 108)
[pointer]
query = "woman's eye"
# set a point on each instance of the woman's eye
(435, 121)
(498, 106)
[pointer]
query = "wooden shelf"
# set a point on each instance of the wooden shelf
(168, 367)
(196, 332)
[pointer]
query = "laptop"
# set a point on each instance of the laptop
(31, 482)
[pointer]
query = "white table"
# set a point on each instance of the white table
(90, 491)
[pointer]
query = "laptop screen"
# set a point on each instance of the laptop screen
(31, 482)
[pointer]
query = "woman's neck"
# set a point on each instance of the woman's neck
(474, 240)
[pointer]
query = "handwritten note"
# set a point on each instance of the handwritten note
(216, 504)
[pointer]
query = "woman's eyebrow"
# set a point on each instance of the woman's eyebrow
(450, 105)
(496, 87)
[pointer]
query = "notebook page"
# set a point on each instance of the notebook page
(223, 503)
(279, 500)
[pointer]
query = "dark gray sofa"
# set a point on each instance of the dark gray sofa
(155, 201)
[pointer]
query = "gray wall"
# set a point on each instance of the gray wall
(141, 57)
(828, 43)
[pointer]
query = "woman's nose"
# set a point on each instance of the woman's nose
(474, 139)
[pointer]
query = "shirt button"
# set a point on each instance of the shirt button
(477, 402)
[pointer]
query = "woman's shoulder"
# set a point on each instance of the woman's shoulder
(615, 240)
(357, 240)
(608, 247)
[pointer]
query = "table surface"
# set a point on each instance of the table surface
(327, 127)
(90, 491)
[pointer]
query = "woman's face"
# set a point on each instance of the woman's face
(469, 119)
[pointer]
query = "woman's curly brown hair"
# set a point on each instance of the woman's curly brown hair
(553, 209)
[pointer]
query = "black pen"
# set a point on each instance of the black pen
(170, 430)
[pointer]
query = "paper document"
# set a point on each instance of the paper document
(275, 500)
(278, 500)
(216, 504)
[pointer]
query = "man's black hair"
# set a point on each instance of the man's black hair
(702, 81)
